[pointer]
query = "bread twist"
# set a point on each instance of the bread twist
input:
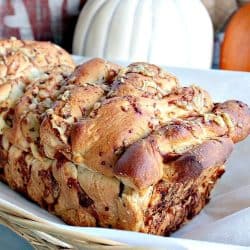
(143, 163)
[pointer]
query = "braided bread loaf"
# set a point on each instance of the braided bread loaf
(22, 63)
(116, 147)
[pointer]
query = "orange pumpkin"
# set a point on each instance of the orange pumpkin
(235, 49)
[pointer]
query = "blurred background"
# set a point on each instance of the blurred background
(181, 33)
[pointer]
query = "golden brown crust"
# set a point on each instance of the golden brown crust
(95, 71)
(172, 140)
(85, 87)
(21, 64)
(140, 166)
(193, 162)
(28, 112)
(143, 79)
(151, 105)
(236, 115)
(133, 118)
(29, 59)
(175, 168)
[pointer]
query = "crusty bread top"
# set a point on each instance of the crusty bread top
(126, 122)
(118, 111)
(135, 123)
(29, 59)
(132, 117)
(85, 88)
(22, 63)
(91, 84)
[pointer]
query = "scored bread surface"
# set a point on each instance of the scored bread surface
(111, 146)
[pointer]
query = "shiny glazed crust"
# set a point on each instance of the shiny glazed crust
(118, 147)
